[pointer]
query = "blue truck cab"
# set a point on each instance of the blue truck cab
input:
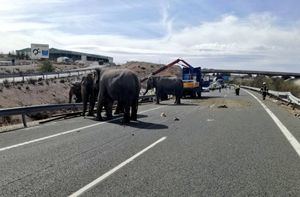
(192, 81)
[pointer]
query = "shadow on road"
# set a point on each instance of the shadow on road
(135, 124)
(141, 124)
(182, 104)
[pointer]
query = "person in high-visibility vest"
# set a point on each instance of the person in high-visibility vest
(237, 90)
(264, 90)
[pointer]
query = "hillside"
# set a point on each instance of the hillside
(143, 69)
(56, 90)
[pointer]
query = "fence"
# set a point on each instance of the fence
(285, 96)
(51, 107)
(21, 77)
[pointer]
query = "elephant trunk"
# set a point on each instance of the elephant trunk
(146, 91)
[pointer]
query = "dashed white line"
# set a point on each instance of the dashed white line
(110, 172)
(292, 140)
(65, 132)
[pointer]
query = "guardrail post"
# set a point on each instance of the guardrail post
(57, 75)
(294, 106)
(24, 120)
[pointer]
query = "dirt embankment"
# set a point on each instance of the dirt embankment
(41, 92)
(56, 91)
(143, 69)
(34, 93)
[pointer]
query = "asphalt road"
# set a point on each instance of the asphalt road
(207, 151)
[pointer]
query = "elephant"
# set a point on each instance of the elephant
(164, 86)
(89, 92)
(121, 85)
(75, 90)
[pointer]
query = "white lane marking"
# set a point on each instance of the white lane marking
(210, 120)
(211, 106)
(110, 172)
(292, 140)
(66, 132)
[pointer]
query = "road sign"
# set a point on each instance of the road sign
(39, 51)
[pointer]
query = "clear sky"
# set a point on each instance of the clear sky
(235, 34)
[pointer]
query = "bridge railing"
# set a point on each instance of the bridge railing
(285, 96)
(51, 107)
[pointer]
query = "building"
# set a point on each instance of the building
(74, 55)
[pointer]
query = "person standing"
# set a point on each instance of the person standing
(237, 90)
(264, 90)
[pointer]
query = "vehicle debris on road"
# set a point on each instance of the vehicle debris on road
(222, 106)
(163, 114)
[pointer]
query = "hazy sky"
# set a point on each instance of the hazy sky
(236, 34)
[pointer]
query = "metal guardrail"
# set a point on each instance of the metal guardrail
(285, 96)
(50, 107)
(21, 77)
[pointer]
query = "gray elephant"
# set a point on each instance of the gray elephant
(165, 86)
(121, 85)
(89, 91)
(75, 90)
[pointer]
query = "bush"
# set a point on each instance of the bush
(32, 81)
(6, 83)
(6, 119)
(62, 81)
(46, 66)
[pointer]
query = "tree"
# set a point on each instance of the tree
(46, 66)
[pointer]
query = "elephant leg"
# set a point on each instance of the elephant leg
(126, 116)
(108, 109)
(177, 100)
(99, 107)
(70, 96)
(92, 105)
(84, 105)
(134, 109)
(157, 98)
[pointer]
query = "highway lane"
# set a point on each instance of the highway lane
(210, 151)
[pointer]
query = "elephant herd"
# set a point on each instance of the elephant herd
(122, 86)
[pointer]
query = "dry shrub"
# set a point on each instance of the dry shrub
(32, 81)
(41, 83)
(6, 83)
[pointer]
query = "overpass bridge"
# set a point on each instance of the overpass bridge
(252, 72)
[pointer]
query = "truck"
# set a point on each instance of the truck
(191, 77)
